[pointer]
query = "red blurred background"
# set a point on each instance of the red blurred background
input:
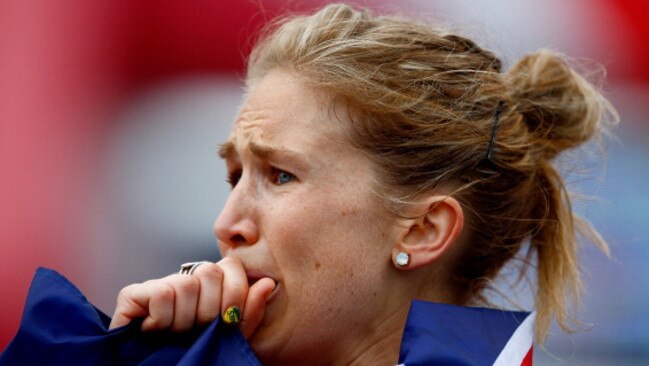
(68, 70)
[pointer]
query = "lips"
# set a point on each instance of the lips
(255, 269)
(253, 279)
(254, 276)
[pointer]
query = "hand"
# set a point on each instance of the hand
(178, 302)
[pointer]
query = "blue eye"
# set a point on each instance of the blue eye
(283, 177)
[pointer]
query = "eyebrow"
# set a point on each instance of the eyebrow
(227, 150)
(264, 151)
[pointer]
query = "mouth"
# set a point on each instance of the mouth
(253, 277)
(253, 280)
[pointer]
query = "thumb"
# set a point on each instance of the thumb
(255, 306)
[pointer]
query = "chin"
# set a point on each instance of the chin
(268, 353)
(262, 341)
(273, 348)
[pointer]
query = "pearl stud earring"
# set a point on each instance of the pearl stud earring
(402, 259)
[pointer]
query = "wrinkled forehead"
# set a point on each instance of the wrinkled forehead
(279, 109)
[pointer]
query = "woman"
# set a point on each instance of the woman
(376, 161)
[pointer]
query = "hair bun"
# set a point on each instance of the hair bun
(560, 108)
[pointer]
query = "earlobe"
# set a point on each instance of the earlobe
(431, 235)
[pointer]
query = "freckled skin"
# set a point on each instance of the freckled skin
(325, 216)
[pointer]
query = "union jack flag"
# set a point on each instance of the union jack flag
(60, 327)
(442, 334)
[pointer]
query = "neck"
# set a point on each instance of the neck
(380, 346)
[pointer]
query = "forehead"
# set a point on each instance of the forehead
(280, 109)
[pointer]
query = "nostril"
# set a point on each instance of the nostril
(238, 239)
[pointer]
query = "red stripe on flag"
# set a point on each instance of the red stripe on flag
(527, 361)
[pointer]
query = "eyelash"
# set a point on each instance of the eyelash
(233, 178)
(235, 175)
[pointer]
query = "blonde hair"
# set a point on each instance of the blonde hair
(427, 104)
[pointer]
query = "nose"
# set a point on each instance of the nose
(237, 224)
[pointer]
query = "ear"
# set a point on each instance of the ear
(427, 237)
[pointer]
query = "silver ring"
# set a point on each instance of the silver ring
(190, 267)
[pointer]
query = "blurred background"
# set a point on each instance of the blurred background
(111, 112)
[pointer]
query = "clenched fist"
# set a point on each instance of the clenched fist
(179, 302)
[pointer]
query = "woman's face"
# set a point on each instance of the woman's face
(302, 212)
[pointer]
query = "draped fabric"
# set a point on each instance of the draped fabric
(60, 327)
(442, 334)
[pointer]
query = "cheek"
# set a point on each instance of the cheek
(330, 252)
(324, 228)
(326, 244)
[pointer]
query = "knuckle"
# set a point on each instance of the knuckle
(122, 295)
(210, 272)
(157, 323)
(165, 292)
(230, 260)
(125, 292)
(188, 284)
(206, 315)
(121, 315)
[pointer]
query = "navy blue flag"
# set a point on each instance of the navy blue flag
(60, 327)
(442, 334)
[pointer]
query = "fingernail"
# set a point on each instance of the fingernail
(232, 315)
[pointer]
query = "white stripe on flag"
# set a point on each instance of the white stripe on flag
(519, 344)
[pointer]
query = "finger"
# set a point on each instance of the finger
(161, 306)
(151, 299)
(234, 289)
(186, 289)
(256, 306)
(210, 277)
(132, 303)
